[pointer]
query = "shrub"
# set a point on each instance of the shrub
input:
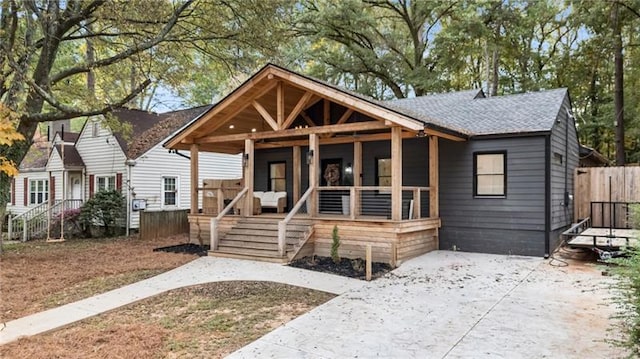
(627, 295)
(335, 245)
(106, 210)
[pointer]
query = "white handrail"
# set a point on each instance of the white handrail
(213, 235)
(282, 225)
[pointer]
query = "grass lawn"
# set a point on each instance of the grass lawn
(35, 276)
(209, 320)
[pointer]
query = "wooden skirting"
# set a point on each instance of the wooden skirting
(391, 242)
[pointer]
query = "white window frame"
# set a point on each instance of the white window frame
(43, 191)
(110, 183)
(164, 191)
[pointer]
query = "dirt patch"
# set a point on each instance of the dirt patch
(353, 268)
(36, 275)
(209, 320)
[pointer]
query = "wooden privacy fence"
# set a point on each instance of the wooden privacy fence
(156, 224)
(603, 193)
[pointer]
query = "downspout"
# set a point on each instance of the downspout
(180, 154)
(129, 163)
(547, 194)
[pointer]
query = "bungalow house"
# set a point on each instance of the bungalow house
(131, 160)
(457, 171)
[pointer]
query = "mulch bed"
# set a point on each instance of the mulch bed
(353, 268)
(186, 248)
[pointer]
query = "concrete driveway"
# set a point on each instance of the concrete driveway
(457, 305)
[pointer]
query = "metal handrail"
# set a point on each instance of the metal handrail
(214, 221)
(35, 219)
(282, 225)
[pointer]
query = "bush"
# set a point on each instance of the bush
(627, 295)
(106, 210)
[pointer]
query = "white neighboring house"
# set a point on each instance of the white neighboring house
(135, 163)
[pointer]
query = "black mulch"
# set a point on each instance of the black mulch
(186, 248)
(354, 268)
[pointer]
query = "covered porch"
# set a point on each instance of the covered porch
(341, 160)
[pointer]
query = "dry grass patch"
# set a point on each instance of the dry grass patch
(35, 276)
(210, 320)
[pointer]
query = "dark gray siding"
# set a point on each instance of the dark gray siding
(511, 225)
(564, 145)
(261, 175)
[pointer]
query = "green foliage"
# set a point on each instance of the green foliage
(335, 244)
(627, 296)
(106, 210)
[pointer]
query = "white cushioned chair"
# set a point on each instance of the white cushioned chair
(271, 199)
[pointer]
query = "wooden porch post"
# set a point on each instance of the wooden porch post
(434, 211)
(249, 163)
(314, 173)
(194, 178)
(357, 178)
(396, 173)
(297, 168)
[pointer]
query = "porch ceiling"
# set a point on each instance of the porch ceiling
(271, 108)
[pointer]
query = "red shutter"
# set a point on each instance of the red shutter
(26, 191)
(92, 183)
(13, 191)
(119, 181)
(52, 189)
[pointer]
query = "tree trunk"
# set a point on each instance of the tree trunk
(618, 84)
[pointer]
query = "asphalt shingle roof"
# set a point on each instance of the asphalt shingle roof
(476, 115)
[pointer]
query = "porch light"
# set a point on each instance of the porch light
(309, 157)
(420, 133)
(348, 169)
(253, 130)
(231, 127)
(245, 160)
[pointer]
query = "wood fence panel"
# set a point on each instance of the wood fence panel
(157, 224)
(592, 185)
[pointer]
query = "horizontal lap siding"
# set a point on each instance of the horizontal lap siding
(510, 225)
(561, 215)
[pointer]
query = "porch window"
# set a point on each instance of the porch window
(383, 169)
(106, 183)
(277, 176)
(169, 191)
(490, 178)
(38, 191)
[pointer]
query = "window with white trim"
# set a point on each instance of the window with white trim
(105, 183)
(169, 191)
(489, 172)
(38, 191)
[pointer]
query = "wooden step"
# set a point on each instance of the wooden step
(251, 245)
(248, 251)
(261, 232)
(248, 257)
(269, 227)
(258, 239)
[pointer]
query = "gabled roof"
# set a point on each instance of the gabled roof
(479, 115)
(36, 158)
(71, 156)
(149, 128)
(68, 136)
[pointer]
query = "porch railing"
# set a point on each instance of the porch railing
(371, 202)
(35, 220)
(215, 239)
(300, 207)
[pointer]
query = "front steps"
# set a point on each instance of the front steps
(256, 238)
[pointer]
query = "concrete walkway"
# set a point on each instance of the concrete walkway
(456, 305)
(202, 270)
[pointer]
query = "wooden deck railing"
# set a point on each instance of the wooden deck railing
(282, 225)
(214, 221)
(372, 201)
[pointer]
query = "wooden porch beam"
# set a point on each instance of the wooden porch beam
(314, 173)
(194, 179)
(335, 140)
(396, 173)
(296, 110)
(357, 163)
(326, 112)
(249, 164)
(265, 115)
(434, 198)
(345, 116)
(347, 127)
(280, 104)
(307, 119)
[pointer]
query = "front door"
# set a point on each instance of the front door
(76, 187)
